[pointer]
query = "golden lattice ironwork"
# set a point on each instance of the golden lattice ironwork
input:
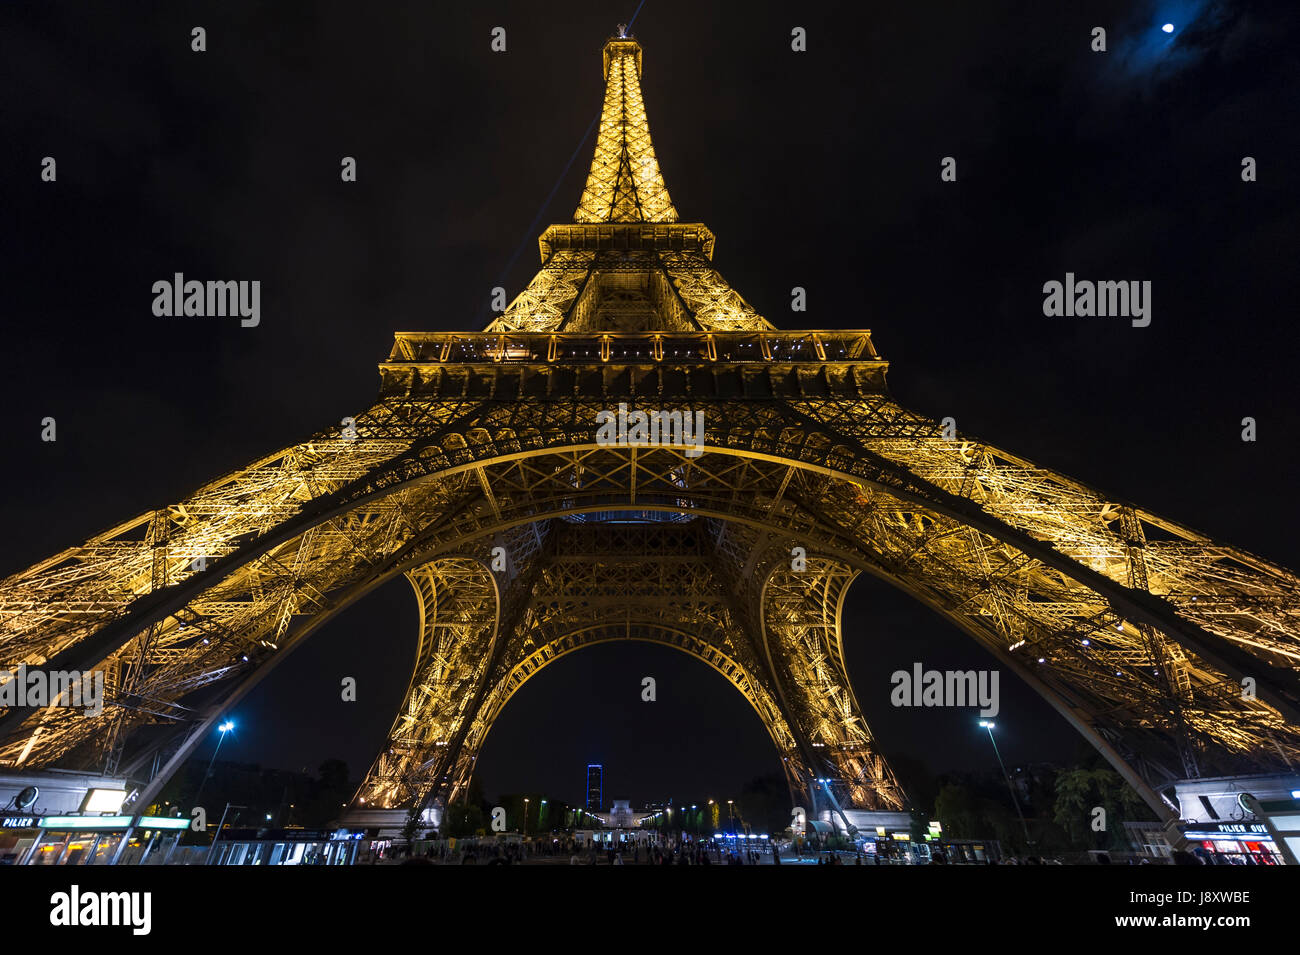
(625, 183)
(1137, 629)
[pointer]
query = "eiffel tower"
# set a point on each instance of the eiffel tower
(481, 476)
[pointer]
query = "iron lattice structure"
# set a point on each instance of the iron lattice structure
(1137, 629)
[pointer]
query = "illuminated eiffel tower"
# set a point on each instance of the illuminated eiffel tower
(479, 474)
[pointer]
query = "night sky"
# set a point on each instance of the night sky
(817, 169)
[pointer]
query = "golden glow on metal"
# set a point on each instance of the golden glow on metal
(625, 184)
(625, 263)
(1137, 629)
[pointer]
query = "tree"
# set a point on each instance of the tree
(766, 803)
(970, 810)
(461, 819)
(958, 811)
(1081, 791)
(412, 823)
(915, 778)
(328, 792)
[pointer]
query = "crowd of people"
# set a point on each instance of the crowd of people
(651, 848)
(642, 850)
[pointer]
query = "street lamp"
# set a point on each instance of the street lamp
(525, 815)
(988, 725)
(224, 728)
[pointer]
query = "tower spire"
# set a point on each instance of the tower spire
(625, 184)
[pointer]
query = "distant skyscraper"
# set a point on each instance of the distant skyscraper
(595, 786)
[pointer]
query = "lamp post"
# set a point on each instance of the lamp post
(988, 725)
(225, 728)
(525, 817)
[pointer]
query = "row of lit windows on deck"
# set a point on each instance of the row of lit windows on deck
(636, 346)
